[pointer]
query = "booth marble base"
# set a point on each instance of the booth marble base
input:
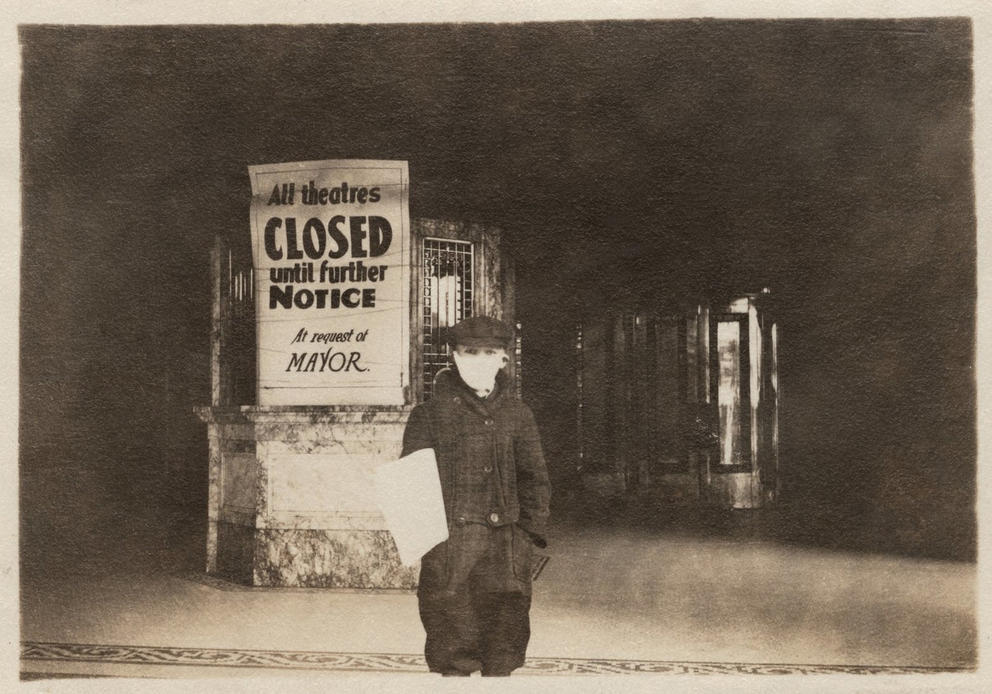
(290, 500)
(311, 558)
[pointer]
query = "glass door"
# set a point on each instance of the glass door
(730, 381)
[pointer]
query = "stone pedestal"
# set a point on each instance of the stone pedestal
(291, 500)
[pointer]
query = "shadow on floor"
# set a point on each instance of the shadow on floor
(798, 521)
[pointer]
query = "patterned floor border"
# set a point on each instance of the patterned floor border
(392, 662)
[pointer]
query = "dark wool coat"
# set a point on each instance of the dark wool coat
(492, 474)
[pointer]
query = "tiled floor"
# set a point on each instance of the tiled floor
(612, 599)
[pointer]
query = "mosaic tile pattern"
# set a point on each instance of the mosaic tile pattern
(392, 662)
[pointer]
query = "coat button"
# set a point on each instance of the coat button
(489, 422)
(494, 518)
(456, 399)
(487, 469)
(461, 520)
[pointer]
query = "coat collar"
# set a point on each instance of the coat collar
(448, 384)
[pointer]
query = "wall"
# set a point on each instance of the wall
(830, 160)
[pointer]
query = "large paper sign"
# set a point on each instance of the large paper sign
(331, 244)
(408, 492)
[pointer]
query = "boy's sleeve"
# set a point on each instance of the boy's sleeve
(417, 434)
(533, 486)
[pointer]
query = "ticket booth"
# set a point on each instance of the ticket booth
(290, 501)
(681, 403)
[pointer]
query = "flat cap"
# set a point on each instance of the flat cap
(481, 331)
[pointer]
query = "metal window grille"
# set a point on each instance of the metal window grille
(449, 285)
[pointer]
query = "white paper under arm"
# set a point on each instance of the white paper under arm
(408, 492)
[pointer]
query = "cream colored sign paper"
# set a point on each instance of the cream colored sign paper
(408, 492)
(330, 244)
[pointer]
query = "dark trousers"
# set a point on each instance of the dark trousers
(470, 624)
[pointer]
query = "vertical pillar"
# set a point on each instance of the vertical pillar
(217, 258)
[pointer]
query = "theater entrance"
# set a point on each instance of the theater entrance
(681, 404)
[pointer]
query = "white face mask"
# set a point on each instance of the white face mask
(479, 370)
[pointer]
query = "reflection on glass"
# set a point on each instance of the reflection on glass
(774, 394)
(692, 370)
(446, 292)
(667, 380)
(728, 335)
(739, 305)
(704, 349)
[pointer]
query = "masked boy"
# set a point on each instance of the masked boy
(475, 588)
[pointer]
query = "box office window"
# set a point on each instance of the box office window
(448, 293)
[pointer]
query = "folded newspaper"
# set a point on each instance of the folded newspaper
(408, 492)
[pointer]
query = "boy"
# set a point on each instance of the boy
(475, 587)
